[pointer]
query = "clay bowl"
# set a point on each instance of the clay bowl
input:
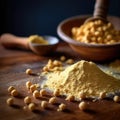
(94, 52)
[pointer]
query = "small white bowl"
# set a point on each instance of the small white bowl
(45, 49)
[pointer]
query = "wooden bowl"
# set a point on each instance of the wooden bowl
(94, 52)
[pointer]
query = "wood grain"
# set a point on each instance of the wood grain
(13, 64)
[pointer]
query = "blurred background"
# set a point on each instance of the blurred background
(27, 17)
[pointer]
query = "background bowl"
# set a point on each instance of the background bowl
(94, 52)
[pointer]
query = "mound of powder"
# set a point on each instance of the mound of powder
(82, 76)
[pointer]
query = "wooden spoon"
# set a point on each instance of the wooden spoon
(100, 11)
(12, 41)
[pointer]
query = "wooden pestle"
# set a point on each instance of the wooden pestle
(100, 11)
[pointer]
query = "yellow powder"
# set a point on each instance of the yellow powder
(37, 39)
(82, 76)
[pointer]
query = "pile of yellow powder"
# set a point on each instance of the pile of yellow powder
(84, 77)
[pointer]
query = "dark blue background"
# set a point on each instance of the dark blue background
(26, 17)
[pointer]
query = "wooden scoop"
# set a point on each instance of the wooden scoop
(12, 41)
(100, 11)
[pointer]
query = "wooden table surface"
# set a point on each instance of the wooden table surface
(13, 64)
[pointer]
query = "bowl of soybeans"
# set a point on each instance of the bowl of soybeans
(94, 40)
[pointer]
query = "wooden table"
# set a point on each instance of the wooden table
(13, 64)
